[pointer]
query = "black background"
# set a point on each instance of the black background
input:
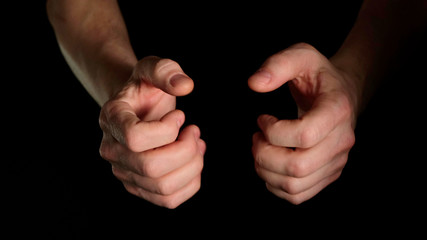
(56, 185)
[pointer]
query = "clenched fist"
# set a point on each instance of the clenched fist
(142, 138)
(298, 158)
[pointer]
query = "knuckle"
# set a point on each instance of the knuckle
(259, 160)
(115, 171)
(174, 200)
(105, 151)
(342, 162)
(131, 140)
(295, 199)
(166, 62)
(347, 140)
(164, 133)
(110, 108)
(298, 168)
(350, 140)
(346, 107)
(188, 149)
(102, 120)
(136, 139)
(117, 124)
(106, 115)
(278, 59)
(271, 133)
(308, 137)
(191, 148)
(301, 48)
(122, 175)
(196, 164)
(343, 106)
(148, 59)
(291, 185)
(149, 169)
(199, 164)
(258, 170)
(132, 190)
(303, 45)
(165, 187)
(170, 203)
(308, 50)
(165, 67)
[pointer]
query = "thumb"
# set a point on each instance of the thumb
(164, 74)
(296, 61)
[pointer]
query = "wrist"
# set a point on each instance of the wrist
(114, 72)
(354, 77)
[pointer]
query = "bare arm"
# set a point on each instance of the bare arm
(138, 117)
(382, 29)
(330, 93)
(94, 41)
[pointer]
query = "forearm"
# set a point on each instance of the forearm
(94, 41)
(382, 29)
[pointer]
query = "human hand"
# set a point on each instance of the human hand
(141, 136)
(298, 158)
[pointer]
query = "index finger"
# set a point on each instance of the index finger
(327, 112)
(120, 120)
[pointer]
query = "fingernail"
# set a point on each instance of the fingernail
(263, 76)
(176, 79)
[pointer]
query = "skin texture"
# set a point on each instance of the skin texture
(158, 160)
(141, 135)
(298, 158)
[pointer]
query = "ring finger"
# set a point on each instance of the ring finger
(293, 185)
(168, 201)
(164, 185)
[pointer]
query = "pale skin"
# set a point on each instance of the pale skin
(298, 158)
(158, 160)
(141, 135)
